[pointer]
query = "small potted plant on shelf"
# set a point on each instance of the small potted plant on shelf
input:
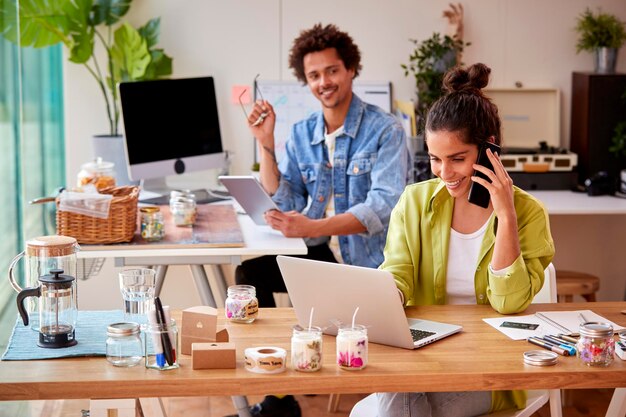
(84, 26)
(428, 63)
(603, 34)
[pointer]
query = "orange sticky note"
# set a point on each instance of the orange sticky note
(238, 90)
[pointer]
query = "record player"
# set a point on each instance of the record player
(543, 158)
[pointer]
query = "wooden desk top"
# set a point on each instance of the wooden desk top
(479, 358)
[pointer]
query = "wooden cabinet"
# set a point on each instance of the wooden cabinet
(598, 105)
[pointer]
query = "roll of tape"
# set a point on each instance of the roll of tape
(265, 360)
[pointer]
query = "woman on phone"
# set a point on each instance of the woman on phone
(444, 249)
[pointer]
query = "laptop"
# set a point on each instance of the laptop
(335, 290)
(250, 195)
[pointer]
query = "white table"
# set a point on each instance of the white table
(259, 240)
(569, 202)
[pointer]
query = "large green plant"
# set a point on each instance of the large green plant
(131, 53)
(428, 63)
(599, 30)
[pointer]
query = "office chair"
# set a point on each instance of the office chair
(368, 406)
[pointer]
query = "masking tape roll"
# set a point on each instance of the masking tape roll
(265, 360)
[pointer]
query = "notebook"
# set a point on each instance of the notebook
(335, 290)
(250, 195)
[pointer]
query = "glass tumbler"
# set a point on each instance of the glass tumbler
(352, 344)
(137, 286)
(161, 346)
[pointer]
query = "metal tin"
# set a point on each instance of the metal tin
(540, 358)
(596, 345)
(622, 335)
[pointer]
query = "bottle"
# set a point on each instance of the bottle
(123, 345)
(596, 345)
(99, 173)
(306, 349)
(352, 347)
(242, 305)
(152, 224)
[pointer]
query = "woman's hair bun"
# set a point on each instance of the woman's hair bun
(472, 79)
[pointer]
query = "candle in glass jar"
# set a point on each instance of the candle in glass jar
(352, 347)
(306, 349)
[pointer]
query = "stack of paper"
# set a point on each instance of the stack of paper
(548, 323)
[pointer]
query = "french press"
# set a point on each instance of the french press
(57, 309)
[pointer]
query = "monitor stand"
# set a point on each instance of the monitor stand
(156, 191)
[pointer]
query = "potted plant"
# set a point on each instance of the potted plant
(428, 63)
(603, 34)
(84, 26)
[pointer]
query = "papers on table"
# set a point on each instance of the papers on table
(550, 323)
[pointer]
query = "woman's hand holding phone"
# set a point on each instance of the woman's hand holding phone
(498, 184)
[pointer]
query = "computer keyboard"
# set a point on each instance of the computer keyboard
(420, 334)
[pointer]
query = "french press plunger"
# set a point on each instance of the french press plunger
(57, 309)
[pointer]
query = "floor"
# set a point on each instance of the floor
(586, 403)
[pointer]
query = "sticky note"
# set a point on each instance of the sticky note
(237, 91)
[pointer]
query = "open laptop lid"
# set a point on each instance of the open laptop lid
(335, 290)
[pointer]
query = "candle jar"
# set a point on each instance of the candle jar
(160, 338)
(352, 347)
(241, 304)
(596, 345)
(152, 225)
(306, 349)
(123, 346)
(183, 211)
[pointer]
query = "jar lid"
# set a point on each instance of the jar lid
(151, 209)
(98, 165)
(595, 329)
(51, 246)
(122, 329)
(622, 335)
(540, 358)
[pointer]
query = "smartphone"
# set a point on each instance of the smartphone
(478, 194)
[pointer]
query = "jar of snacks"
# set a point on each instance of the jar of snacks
(183, 211)
(242, 305)
(99, 173)
(152, 224)
(596, 345)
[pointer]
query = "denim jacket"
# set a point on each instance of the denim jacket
(368, 175)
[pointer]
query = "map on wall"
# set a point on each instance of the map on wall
(293, 102)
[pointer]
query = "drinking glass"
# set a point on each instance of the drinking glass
(137, 286)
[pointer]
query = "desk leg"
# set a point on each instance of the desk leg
(202, 285)
(617, 407)
(161, 270)
(220, 283)
(241, 404)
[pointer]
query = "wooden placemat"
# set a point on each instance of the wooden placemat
(216, 226)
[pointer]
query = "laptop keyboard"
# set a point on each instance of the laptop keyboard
(420, 334)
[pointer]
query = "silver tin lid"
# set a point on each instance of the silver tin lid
(595, 329)
(622, 335)
(122, 329)
(540, 358)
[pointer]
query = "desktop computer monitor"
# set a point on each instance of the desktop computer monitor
(171, 127)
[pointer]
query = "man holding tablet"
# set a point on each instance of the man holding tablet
(344, 167)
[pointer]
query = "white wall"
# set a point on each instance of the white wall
(530, 41)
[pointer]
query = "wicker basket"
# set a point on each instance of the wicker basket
(118, 227)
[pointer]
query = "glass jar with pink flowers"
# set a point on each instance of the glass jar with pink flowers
(352, 347)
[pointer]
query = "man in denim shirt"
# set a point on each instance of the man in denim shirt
(344, 170)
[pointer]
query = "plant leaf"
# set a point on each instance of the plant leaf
(160, 65)
(81, 32)
(129, 54)
(150, 32)
(108, 12)
(40, 23)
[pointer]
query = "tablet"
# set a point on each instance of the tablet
(250, 195)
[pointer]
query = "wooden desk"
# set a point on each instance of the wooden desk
(479, 358)
(259, 240)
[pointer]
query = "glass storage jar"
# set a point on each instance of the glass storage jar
(152, 224)
(596, 345)
(161, 346)
(183, 211)
(99, 173)
(242, 305)
(352, 347)
(306, 349)
(124, 347)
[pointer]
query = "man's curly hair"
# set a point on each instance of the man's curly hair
(319, 38)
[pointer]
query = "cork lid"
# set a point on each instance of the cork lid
(50, 246)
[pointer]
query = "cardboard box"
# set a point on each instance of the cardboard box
(200, 322)
(213, 356)
(186, 341)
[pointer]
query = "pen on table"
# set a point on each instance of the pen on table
(568, 338)
(156, 339)
(561, 339)
(165, 338)
(172, 336)
(552, 322)
(548, 346)
(565, 346)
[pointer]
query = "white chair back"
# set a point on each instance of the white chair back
(547, 294)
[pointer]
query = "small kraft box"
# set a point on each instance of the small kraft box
(199, 324)
(213, 356)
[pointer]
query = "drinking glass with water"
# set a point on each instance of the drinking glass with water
(137, 286)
